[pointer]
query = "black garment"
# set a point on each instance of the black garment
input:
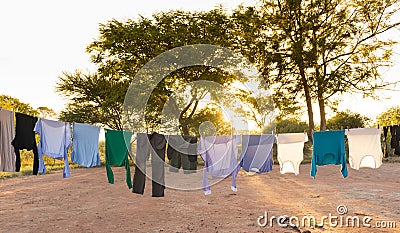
(385, 133)
(393, 142)
(155, 144)
(25, 139)
(397, 148)
(182, 153)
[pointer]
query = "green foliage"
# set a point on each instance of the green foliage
(46, 112)
(14, 104)
(125, 47)
(291, 125)
(347, 119)
(389, 117)
(316, 49)
(94, 98)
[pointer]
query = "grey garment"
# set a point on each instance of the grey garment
(7, 134)
(155, 144)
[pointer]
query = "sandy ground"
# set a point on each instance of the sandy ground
(87, 203)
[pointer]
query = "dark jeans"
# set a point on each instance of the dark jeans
(155, 144)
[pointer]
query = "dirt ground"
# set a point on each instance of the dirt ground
(85, 202)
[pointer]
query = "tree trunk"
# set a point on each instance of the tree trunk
(309, 105)
(321, 103)
(185, 129)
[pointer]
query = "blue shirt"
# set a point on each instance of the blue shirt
(257, 153)
(55, 140)
(328, 148)
(85, 150)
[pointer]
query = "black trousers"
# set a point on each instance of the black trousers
(35, 159)
(147, 144)
(181, 155)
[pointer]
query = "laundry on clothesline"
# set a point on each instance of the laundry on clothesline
(290, 151)
(117, 144)
(25, 139)
(147, 144)
(328, 148)
(85, 149)
(55, 140)
(219, 153)
(7, 154)
(256, 153)
(365, 148)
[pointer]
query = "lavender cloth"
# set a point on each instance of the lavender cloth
(219, 154)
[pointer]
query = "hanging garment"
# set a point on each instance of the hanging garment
(25, 139)
(385, 133)
(7, 134)
(219, 154)
(147, 144)
(328, 148)
(117, 149)
(364, 148)
(256, 153)
(85, 150)
(290, 151)
(397, 139)
(182, 152)
(394, 143)
(55, 140)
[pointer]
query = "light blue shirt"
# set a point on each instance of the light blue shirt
(85, 150)
(55, 140)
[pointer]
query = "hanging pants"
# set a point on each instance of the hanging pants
(184, 156)
(155, 144)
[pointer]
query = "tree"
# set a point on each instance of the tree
(124, 47)
(347, 119)
(93, 99)
(14, 104)
(46, 112)
(389, 117)
(318, 49)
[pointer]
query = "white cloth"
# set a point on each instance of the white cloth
(365, 147)
(290, 151)
(7, 134)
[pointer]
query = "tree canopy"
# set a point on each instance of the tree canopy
(319, 49)
(389, 117)
(125, 47)
(14, 104)
(306, 51)
(347, 119)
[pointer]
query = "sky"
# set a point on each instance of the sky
(40, 39)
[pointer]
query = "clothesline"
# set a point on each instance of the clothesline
(219, 153)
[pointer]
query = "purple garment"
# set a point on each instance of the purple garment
(219, 154)
(55, 140)
(257, 153)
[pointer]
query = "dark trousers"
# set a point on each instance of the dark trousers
(184, 156)
(35, 160)
(147, 144)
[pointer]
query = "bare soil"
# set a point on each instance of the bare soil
(86, 202)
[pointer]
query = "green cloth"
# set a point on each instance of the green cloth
(117, 143)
